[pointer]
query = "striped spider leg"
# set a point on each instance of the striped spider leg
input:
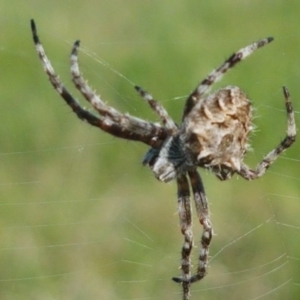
(109, 120)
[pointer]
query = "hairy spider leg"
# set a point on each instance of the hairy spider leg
(204, 219)
(217, 74)
(185, 217)
(269, 159)
(166, 120)
(131, 129)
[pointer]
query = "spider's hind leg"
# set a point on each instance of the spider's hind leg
(269, 159)
(217, 74)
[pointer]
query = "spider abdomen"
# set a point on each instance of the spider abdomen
(218, 127)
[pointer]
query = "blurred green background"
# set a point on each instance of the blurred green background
(80, 218)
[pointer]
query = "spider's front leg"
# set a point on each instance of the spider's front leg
(110, 120)
(185, 217)
(204, 219)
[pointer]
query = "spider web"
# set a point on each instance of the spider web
(81, 218)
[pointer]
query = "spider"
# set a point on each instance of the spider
(213, 135)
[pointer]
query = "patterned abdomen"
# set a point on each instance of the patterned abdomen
(217, 130)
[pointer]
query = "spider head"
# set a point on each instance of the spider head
(167, 161)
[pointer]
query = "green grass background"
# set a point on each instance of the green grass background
(80, 218)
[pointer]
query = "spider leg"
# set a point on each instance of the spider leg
(127, 128)
(186, 223)
(290, 138)
(166, 120)
(185, 217)
(217, 74)
(87, 91)
(204, 219)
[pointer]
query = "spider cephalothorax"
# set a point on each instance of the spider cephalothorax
(213, 135)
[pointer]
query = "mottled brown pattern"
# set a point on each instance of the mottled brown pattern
(222, 123)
